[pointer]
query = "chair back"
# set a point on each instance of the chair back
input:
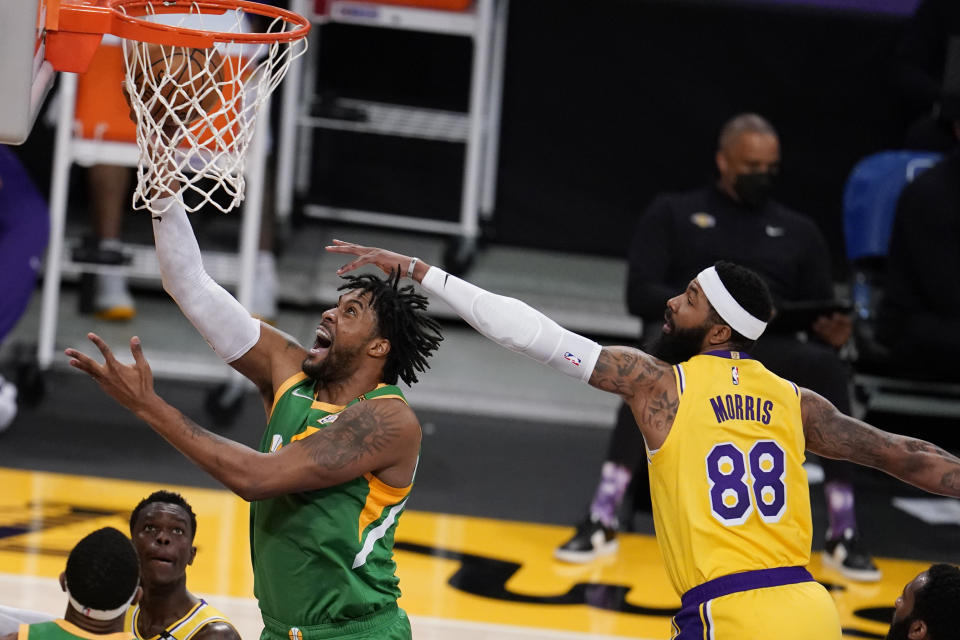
(870, 199)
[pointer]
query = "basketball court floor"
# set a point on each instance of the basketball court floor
(511, 453)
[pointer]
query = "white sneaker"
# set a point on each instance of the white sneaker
(112, 299)
(8, 403)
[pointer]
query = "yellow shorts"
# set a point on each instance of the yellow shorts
(793, 611)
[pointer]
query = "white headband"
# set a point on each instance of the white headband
(742, 321)
(101, 614)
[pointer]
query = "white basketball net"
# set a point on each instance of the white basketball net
(196, 109)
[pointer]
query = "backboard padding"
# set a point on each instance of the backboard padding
(25, 78)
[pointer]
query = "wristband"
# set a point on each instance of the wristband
(413, 262)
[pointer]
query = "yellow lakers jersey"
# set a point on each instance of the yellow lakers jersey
(199, 616)
(728, 486)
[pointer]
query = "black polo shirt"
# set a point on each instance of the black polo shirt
(680, 234)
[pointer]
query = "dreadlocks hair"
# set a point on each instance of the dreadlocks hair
(750, 291)
(103, 570)
(937, 601)
(165, 497)
(413, 336)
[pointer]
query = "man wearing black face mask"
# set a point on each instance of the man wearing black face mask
(733, 219)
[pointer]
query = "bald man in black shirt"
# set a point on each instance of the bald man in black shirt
(735, 219)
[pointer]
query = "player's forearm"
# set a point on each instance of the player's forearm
(235, 465)
(926, 466)
(226, 326)
(515, 325)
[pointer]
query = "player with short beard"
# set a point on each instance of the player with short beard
(336, 463)
(927, 608)
(725, 444)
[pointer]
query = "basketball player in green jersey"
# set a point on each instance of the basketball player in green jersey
(101, 582)
(725, 443)
(336, 463)
(163, 527)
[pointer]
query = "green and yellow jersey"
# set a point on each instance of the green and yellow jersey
(62, 630)
(324, 556)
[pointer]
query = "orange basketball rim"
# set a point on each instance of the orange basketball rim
(75, 27)
(194, 121)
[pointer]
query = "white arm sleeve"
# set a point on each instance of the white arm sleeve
(516, 325)
(227, 327)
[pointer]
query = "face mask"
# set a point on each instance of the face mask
(753, 189)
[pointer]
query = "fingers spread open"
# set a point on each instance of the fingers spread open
(83, 362)
(137, 350)
(104, 349)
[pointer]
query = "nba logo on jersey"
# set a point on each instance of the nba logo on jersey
(276, 443)
(329, 418)
(574, 360)
(295, 634)
(735, 374)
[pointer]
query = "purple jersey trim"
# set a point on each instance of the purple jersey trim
(744, 581)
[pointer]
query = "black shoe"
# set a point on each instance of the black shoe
(591, 541)
(847, 555)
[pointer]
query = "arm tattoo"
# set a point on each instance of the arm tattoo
(644, 383)
(950, 482)
(834, 435)
(362, 432)
(625, 371)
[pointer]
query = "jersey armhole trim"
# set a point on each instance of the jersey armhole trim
(284, 387)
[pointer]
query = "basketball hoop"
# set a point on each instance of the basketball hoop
(197, 73)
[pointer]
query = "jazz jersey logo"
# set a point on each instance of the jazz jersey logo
(276, 443)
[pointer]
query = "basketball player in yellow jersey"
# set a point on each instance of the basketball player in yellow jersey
(725, 441)
(163, 527)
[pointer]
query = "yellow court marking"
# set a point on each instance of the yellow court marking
(450, 567)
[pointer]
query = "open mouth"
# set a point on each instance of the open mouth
(162, 561)
(322, 342)
(667, 324)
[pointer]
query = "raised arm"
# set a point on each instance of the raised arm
(832, 434)
(261, 353)
(381, 437)
(645, 383)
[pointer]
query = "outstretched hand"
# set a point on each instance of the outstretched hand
(130, 385)
(387, 261)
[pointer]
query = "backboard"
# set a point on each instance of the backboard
(25, 77)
